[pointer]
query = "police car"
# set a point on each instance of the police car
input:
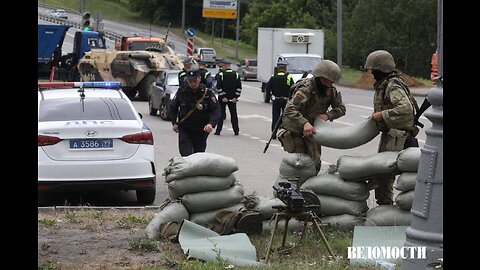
(90, 137)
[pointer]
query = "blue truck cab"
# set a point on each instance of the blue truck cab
(50, 41)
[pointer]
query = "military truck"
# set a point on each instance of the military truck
(136, 70)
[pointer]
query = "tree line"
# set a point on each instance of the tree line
(405, 28)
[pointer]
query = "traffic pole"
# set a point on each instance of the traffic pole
(190, 46)
(52, 73)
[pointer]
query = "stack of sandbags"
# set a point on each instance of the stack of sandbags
(342, 203)
(170, 211)
(205, 184)
(295, 166)
(399, 214)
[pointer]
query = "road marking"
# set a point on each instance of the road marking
(250, 116)
(359, 106)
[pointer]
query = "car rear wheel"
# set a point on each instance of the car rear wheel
(164, 109)
(145, 86)
(244, 76)
(146, 196)
(151, 109)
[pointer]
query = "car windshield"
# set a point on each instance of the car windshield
(172, 79)
(208, 52)
(66, 109)
(140, 46)
(301, 64)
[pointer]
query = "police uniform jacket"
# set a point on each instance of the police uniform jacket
(306, 104)
(229, 84)
(206, 78)
(208, 111)
(279, 84)
(181, 77)
(394, 101)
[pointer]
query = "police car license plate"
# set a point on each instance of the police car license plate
(95, 144)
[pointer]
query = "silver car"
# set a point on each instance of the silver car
(162, 91)
(60, 13)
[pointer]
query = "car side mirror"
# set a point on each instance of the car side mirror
(141, 116)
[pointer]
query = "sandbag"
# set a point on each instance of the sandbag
(359, 168)
(331, 206)
(264, 206)
(193, 184)
(344, 221)
(210, 200)
(297, 165)
(404, 200)
(293, 225)
(169, 211)
(406, 181)
(341, 137)
(206, 218)
(334, 185)
(199, 164)
(408, 159)
(388, 215)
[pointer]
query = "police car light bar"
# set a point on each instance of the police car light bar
(106, 85)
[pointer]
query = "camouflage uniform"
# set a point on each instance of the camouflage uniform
(305, 105)
(393, 99)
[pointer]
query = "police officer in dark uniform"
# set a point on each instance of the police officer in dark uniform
(205, 75)
(194, 114)
(278, 87)
(187, 64)
(229, 88)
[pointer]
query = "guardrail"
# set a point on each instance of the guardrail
(108, 34)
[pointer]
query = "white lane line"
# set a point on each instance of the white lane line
(250, 116)
(359, 106)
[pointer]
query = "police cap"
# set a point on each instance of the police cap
(201, 61)
(192, 74)
(282, 63)
(187, 60)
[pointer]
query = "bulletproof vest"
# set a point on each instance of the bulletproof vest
(229, 80)
(279, 85)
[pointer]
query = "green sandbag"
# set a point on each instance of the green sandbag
(210, 200)
(388, 215)
(193, 184)
(404, 200)
(331, 206)
(169, 211)
(199, 164)
(339, 137)
(360, 168)
(334, 185)
(406, 181)
(344, 221)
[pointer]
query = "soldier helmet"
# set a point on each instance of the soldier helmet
(328, 70)
(380, 60)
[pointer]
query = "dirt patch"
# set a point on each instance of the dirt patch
(367, 80)
(78, 239)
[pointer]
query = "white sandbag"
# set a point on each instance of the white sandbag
(193, 184)
(206, 218)
(265, 206)
(404, 200)
(169, 211)
(408, 159)
(388, 215)
(210, 200)
(406, 181)
(334, 185)
(331, 206)
(344, 221)
(344, 137)
(357, 168)
(199, 164)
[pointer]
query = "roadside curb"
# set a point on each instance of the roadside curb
(63, 208)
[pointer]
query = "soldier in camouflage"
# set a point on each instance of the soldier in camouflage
(394, 110)
(311, 99)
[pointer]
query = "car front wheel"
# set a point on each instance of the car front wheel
(164, 109)
(151, 109)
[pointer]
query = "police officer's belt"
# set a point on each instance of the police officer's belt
(193, 109)
(275, 97)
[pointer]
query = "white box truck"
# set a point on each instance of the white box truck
(301, 48)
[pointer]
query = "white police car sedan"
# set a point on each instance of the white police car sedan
(90, 137)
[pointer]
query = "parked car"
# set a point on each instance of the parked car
(247, 69)
(91, 139)
(59, 13)
(162, 91)
(208, 55)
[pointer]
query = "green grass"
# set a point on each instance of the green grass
(350, 75)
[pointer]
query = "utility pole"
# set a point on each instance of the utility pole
(339, 33)
(183, 16)
(238, 29)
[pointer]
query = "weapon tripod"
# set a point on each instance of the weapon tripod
(307, 216)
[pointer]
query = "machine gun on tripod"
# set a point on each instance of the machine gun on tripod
(295, 207)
